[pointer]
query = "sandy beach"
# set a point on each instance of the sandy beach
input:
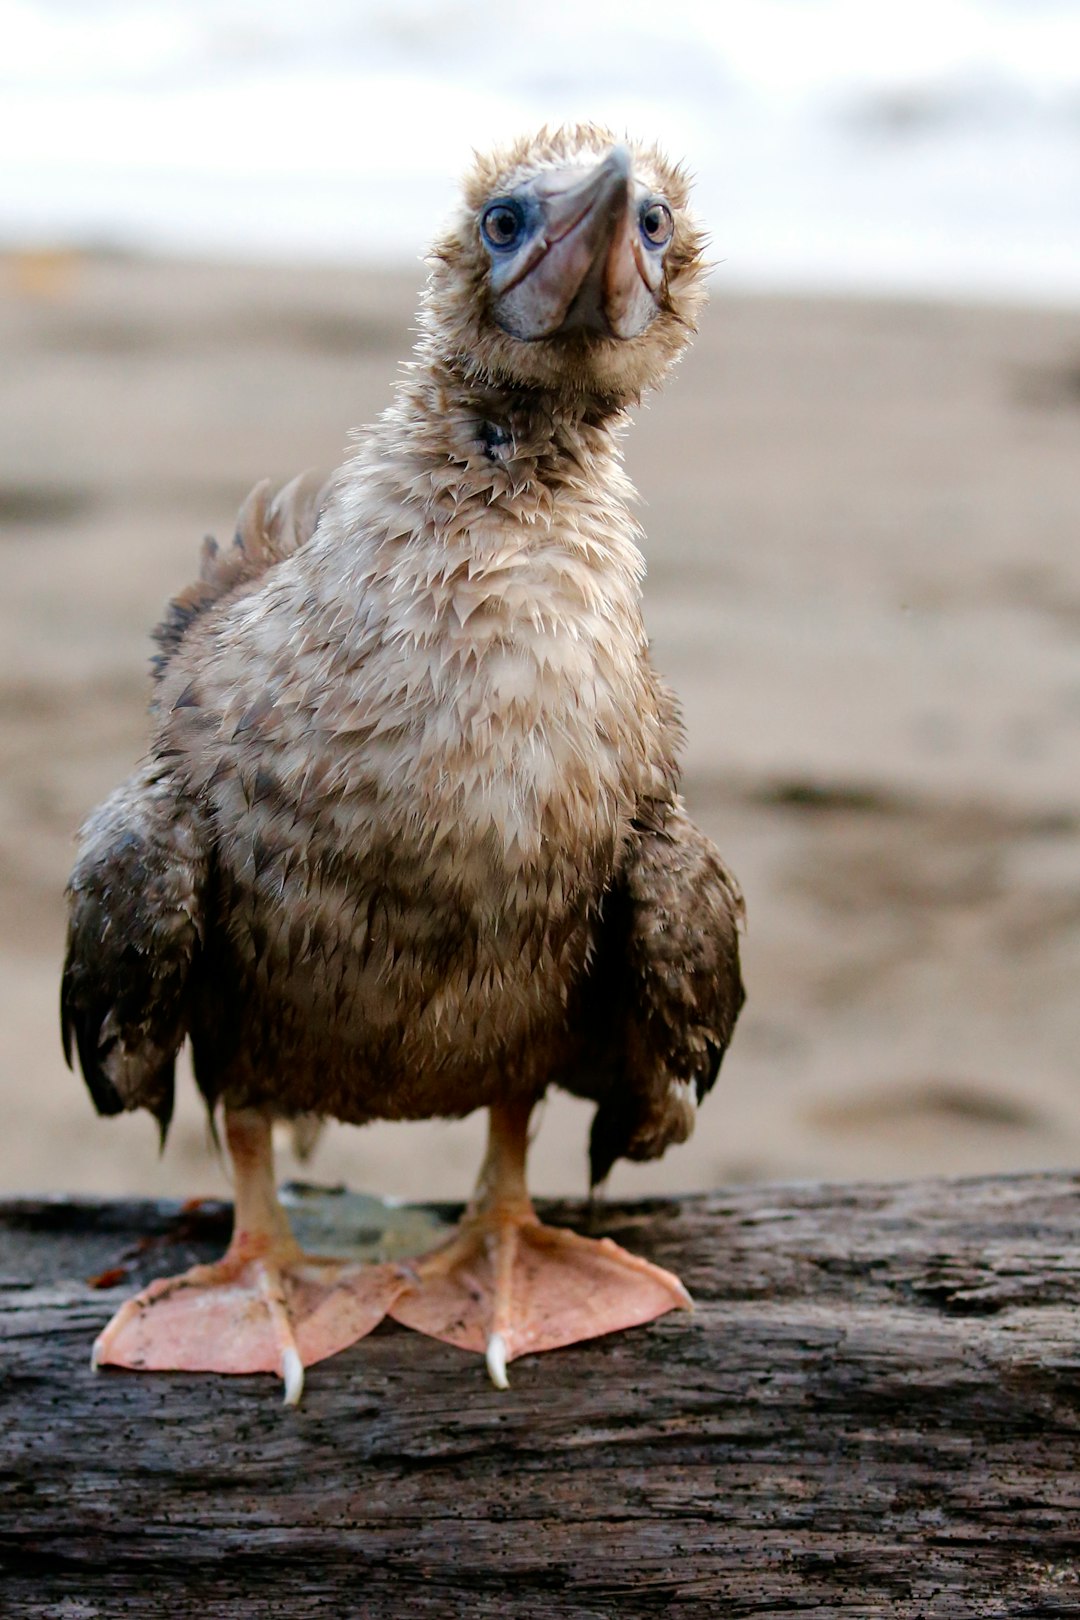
(864, 580)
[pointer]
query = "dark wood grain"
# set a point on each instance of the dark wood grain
(875, 1410)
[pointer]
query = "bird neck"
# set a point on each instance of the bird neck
(503, 437)
(566, 408)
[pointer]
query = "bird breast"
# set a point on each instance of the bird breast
(493, 695)
(422, 744)
(465, 695)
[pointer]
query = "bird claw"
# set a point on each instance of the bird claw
(495, 1355)
(292, 1373)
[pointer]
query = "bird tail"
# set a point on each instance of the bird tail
(135, 902)
(269, 528)
(306, 1129)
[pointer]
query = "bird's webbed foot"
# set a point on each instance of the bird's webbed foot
(506, 1285)
(271, 1312)
(266, 1306)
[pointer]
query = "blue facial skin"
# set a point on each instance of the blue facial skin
(646, 208)
(528, 216)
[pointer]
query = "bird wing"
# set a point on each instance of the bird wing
(665, 989)
(135, 902)
(135, 898)
(269, 527)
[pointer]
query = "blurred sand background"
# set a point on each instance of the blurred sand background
(864, 579)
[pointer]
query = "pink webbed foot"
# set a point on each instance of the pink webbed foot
(506, 1285)
(274, 1313)
(266, 1306)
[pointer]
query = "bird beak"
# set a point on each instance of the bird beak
(585, 269)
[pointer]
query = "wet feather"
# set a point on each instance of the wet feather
(408, 838)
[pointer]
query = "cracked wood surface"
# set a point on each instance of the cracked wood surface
(874, 1410)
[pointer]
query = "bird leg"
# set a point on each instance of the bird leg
(506, 1285)
(266, 1306)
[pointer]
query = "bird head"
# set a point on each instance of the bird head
(572, 265)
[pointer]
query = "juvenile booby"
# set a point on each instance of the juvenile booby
(408, 838)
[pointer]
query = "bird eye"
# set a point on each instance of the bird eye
(656, 224)
(502, 225)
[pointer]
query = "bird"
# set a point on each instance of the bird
(408, 839)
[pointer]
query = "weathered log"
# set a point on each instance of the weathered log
(874, 1410)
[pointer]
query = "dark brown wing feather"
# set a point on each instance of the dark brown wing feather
(666, 984)
(136, 896)
(135, 926)
(268, 528)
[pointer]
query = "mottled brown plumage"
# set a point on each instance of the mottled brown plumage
(408, 839)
